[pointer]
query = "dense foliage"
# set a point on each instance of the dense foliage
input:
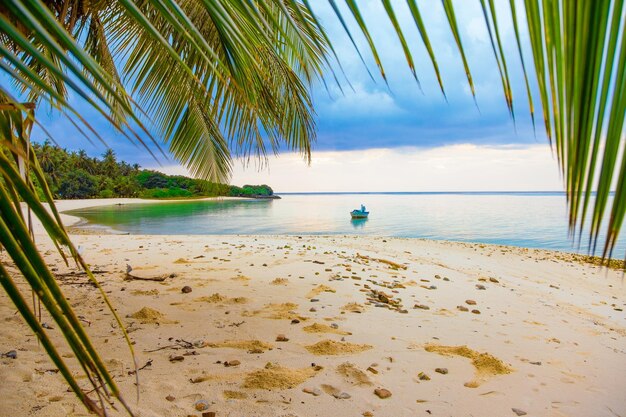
(77, 175)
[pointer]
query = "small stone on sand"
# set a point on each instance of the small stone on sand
(382, 393)
(316, 392)
(12, 354)
(201, 405)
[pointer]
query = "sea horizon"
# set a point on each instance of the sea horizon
(423, 192)
(527, 192)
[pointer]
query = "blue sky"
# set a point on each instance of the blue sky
(399, 120)
(377, 116)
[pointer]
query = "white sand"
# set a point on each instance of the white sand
(552, 320)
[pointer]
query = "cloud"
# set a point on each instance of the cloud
(463, 167)
(360, 103)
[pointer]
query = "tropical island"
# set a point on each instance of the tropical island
(75, 175)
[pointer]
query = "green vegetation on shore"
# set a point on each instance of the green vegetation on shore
(73, 175)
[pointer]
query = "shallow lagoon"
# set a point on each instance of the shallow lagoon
(536, 220)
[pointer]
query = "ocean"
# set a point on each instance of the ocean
(526, 219)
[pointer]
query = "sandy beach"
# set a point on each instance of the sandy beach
(333, 326)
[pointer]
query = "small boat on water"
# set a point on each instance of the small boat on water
(359, 214)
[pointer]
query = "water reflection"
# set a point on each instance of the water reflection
(358, 223)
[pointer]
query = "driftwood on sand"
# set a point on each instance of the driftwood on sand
(132, 277)
(392, 264)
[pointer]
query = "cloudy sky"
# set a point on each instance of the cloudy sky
(395, 137)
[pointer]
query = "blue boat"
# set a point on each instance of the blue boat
(359, 214)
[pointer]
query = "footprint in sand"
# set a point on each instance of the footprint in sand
(280, 311)
(217, 298)
(319, 289)
(274, 376)
(255, 346)
(486, 365)
(330, 347)
(323, 328)
(353, 375)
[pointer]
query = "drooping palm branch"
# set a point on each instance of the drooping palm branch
(216, 78)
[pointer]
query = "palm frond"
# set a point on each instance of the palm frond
(16, 239)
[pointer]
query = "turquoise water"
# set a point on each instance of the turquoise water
(536, 220)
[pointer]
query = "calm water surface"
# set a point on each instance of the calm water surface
(535, 220)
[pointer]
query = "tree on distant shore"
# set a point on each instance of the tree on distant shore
(78, 184)
(73, 175)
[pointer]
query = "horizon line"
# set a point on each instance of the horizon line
(431, 192)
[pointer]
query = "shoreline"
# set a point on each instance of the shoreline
(76, 225)
(70, 221)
